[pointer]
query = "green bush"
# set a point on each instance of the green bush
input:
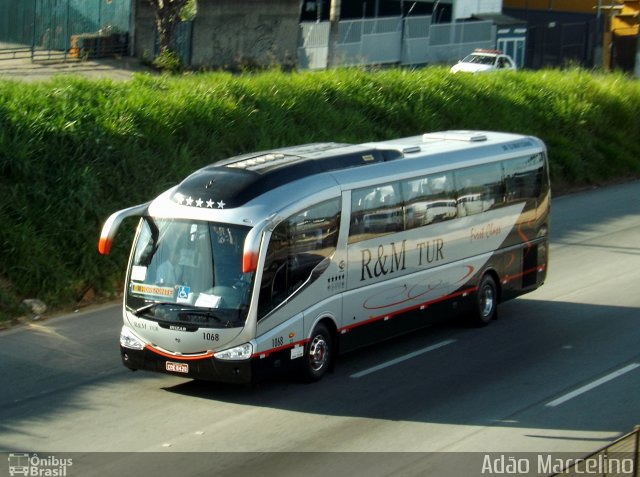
(168, 61)
(72, 150)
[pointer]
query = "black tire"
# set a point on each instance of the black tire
(486, 302)
(318, 354)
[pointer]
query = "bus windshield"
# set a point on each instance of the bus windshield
(189, 272)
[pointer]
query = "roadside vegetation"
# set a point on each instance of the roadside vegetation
(73, 150)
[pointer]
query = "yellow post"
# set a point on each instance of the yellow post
(334, 32)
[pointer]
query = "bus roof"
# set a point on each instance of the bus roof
(284, 175)
(238, 180)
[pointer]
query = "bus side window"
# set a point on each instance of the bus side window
(524, 177)
(375, 211)
(429, 199)
(297, 245)
(480, 188)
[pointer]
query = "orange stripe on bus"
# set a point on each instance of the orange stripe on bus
(208, 354)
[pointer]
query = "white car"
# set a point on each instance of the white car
(482, 61)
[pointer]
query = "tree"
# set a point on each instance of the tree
(334, 32)
(168, 15)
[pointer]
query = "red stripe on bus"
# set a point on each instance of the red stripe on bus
(405, 310)
(264, 354)
(509, 278)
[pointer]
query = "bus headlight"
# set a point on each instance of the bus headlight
(242, 352)
(129, 340)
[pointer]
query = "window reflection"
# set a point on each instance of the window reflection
(297, 246)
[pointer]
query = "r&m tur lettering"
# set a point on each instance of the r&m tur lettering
(389, 259)
(430, 251)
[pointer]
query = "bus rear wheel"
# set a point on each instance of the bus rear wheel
(318, 355)
(486, 302)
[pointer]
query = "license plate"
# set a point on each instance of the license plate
(177, 367)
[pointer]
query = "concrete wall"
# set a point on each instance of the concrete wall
(232, 33)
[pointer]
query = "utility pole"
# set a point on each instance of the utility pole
(334, 33)
(607, 36)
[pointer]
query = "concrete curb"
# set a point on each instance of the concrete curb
(24, 69)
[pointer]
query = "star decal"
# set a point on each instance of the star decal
(199, 202)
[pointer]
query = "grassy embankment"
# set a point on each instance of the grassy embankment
(72, 151)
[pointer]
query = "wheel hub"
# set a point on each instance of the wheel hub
(487, 301)
(318, 353)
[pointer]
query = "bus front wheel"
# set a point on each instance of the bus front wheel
(486, 302)
(318, 355)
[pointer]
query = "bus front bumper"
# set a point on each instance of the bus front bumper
(206, 368)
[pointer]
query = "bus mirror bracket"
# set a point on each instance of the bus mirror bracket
(112, 224)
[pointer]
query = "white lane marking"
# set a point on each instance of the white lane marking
(402, 358)
(594, 384)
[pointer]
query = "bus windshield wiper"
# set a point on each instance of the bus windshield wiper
(142, 309)
(197, 311)
(184, 310)
(171, 307)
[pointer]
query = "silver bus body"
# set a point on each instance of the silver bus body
(285, 258)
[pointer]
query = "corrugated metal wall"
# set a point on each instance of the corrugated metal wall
(55, 27)
(405, 41)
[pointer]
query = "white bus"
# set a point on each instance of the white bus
(280, 260)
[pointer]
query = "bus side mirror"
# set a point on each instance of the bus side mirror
(112, 224)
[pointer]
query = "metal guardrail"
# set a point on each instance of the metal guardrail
(619, 459)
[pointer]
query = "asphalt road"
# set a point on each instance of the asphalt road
(558, 372)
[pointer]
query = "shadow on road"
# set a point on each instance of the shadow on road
(502, 375)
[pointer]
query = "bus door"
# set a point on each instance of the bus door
(331, 223)
(302, 265)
